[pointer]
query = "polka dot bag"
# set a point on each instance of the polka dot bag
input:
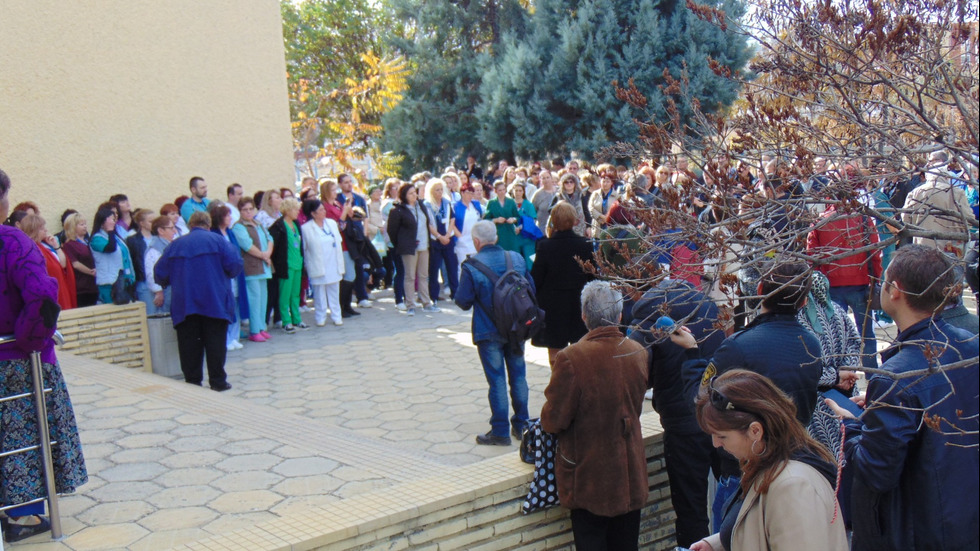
(540, 448)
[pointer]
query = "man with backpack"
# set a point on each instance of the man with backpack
(498, 284)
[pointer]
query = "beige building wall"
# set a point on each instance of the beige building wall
(137, 96)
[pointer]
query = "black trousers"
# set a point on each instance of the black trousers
(199, 335)
(688, 458)
(272, 306)
(598, 533)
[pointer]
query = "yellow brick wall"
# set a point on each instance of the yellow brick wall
(114, 334)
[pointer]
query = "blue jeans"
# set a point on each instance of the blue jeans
(399, 279)
(494, 356)
(856, 297)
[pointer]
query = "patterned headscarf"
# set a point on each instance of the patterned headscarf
(818, 298)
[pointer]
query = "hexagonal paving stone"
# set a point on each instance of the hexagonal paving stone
(176, 519)
(151, 427)
(247, 480)
(124, 492)
(95, 435)
(75, 504)
(140, 455)
(116, 512)
(245, 502)
(106, 536)
(168, 539)
(195, 443)
(100, 450)
(134, 472)
(306, 466)
(122, 412)
(183, 496)
(143, 441)
(250, 462)
(401, 424)
(290, 452)
(151, 413)
(187, 477)
(201, 429)
(308, 485)
(121, 401)
(257, 445)
(193, 459)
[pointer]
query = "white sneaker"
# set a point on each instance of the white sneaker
(304, 308)
(364, 304)
(401, 306)
(338, 323)
(411, 311)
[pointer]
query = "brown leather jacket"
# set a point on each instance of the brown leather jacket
(594, 402)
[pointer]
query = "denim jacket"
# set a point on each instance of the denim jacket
(475, 289)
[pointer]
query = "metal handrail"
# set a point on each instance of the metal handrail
(44, 437)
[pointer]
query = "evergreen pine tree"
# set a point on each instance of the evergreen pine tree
(575, 53)
(450, 45)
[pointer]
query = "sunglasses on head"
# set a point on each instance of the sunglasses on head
(720, 401)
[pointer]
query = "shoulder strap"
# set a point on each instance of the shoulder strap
(510, 263)
(493, 277)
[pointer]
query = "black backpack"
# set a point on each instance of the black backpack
(514, 308)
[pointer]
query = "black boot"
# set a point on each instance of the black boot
(346, 291)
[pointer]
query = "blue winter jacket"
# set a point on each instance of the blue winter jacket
(475, 289)
(198, 267)
(916, 487)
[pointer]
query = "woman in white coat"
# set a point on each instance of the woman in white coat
(324, 258)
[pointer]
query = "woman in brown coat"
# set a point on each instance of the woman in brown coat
(593, 403)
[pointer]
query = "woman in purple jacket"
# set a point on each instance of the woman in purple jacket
(29, 313)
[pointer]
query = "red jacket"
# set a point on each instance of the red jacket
(830, 238)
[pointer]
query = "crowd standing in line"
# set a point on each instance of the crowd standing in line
(745, 388)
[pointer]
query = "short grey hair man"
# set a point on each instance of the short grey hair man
(601, 305)
(484, 233)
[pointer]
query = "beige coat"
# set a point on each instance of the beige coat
(798, 513)
(938, 205)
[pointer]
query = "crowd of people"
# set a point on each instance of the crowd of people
(765, 349)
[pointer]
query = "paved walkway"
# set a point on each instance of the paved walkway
(313, 417)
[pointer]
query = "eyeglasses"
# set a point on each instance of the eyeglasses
(722, 402)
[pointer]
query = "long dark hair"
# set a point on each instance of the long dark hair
(735, 400)
(103, 213)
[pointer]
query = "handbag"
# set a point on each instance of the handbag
(540, 448)
(122, 290)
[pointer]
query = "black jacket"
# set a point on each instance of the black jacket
(558, 280)
(689, 307)
(137, 252)
(280, 250)
(403, 228)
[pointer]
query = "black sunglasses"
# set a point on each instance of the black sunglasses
(721, 402)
